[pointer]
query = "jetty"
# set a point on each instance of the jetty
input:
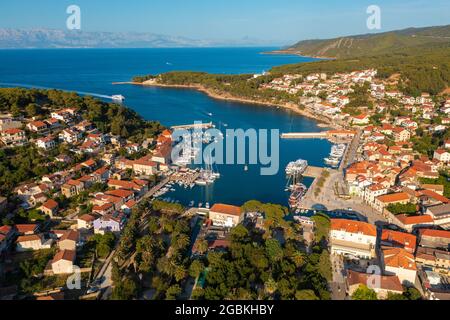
(194, 126)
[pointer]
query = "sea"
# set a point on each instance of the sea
(93, 71)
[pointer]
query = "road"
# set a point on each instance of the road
(338, 285)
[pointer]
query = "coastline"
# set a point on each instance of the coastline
(228, 97)
(297, 53)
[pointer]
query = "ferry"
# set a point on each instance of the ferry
(118, 97)
(297, 167)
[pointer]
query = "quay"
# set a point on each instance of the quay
(316, 172)
(194, 126)
(331, 134)
(304, 135)
(187, 177)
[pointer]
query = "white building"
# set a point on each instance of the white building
(354, 239)
(399, 262)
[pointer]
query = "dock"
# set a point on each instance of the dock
(194, 126)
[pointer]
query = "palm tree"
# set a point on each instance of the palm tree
(202, 246)
(270, 286)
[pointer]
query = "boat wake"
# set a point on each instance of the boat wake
(32, 86)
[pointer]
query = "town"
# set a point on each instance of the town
(99, 209)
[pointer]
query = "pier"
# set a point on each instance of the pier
(194, 126)
(304, 135)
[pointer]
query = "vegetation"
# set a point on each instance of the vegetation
(408, 208)
(104, 244)
(380, 43)
(444, 179)
(364, 293)
(266, 265)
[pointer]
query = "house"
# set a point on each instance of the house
(399, 262)
(52, 123)
(37, 126)
(13, 137)
(437, 260)
(437, 239)
(126, 195)
(381, 202)
(401, 135)
(138, 186)
(162, 154)
(440, 215)
(225, 215)
(442, 155)
(373, 191)
(69, 240)
(70, 136)
(62, 262)
(353, 238)
(50, 208)
(109, 223)
(102, 174)
(145, 166)
(7, 122)
(86, 221)
(409, 223)
(105, 208)
(72, 188)
(26, 229)
(395, 239)
(361, 119)
(33, 242)
(385, 285)
(46, 143)
(7, 234)
(128, 206)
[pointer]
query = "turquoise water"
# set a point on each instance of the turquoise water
(94, 70)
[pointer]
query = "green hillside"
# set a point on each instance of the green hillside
(373, 44)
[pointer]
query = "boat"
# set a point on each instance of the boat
(207, 205)
(246, 168)
(296, 167)
(297, 195)
(118, 97)
(191, 204)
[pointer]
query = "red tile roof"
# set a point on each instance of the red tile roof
(351, 226)
(406, 240)
(434, 233)
(68, 255)
(399, 258)
(25, 228)
(391, 283)
(226, 209)
(411, 220)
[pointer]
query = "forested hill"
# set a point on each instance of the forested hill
(373, 44)
(422, 68)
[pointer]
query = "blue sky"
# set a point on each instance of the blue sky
(277, 20)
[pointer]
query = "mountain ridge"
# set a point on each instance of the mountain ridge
(42, 38)
(371, 43)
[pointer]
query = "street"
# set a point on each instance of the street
(338, 285)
